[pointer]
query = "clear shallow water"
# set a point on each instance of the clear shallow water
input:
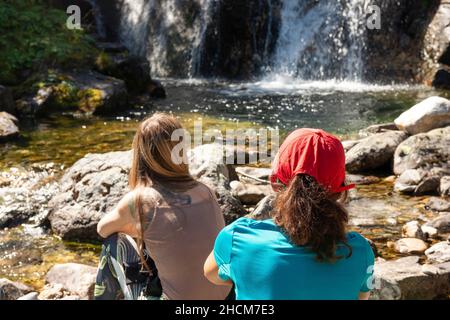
(340, 107)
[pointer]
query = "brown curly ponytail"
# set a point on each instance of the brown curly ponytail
(312, 217)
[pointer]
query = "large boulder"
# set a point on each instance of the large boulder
(374, 151)
(89, 189)
(405, 278)
(429, 114)
(8, 127)
(94, 185)
(76, 279)
(86, 92)
(424, 151)
(10, 290)
(6, 100)
(209, 164)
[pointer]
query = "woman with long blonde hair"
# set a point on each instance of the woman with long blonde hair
(173, 218)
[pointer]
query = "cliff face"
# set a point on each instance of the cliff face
(237, 39)
(413, 36)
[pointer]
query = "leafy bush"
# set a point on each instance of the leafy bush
(35, 35)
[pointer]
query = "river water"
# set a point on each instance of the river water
(27, 252)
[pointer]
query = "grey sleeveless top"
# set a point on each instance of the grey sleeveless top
(180, 233)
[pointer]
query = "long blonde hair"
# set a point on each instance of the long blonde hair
(152, 163)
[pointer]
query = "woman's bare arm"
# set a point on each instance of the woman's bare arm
(211, 271)
(364, 295)
(122, 219)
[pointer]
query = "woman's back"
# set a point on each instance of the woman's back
(264, 265)
(179, 234)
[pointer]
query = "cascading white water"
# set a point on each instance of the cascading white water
(159, 30)
(320, 40)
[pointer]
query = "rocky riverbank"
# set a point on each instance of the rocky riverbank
(408, 220)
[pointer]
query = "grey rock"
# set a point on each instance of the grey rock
(95, 184)
(30, 296)
(429, 232)
(361, 180)
(25, 195)
(348, 144)
(438, 253)
(259, 173)
(412, 229)
(377, 128)
(263, 208)
(418, 182)
(410, 245)
(89, 189)
(404, 279)
(373, 152)
(249, 194)
(438, 204)
(441, 223)
(77, 279)
(424, 151)
(208, 164)
(444, 186)
(427, 115)
(8, 127)
(10, 290)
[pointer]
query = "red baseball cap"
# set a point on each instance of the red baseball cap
(313, 152)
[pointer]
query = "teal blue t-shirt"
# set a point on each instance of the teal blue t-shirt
(264, 265)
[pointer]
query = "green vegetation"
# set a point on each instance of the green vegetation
(34, 37)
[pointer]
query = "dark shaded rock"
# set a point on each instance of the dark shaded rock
(10, 290)
(156, 90)
(373, 152)
(6, 100)
(86, 92)
(445, 58)
(425, 151)
(442, 80)
(8, 127)
(135, 71)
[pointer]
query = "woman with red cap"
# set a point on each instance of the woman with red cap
(304, 250)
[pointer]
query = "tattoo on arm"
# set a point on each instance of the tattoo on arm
(132, 206)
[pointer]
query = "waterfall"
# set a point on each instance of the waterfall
(320, 40)
(170, 33)
(298, 39)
